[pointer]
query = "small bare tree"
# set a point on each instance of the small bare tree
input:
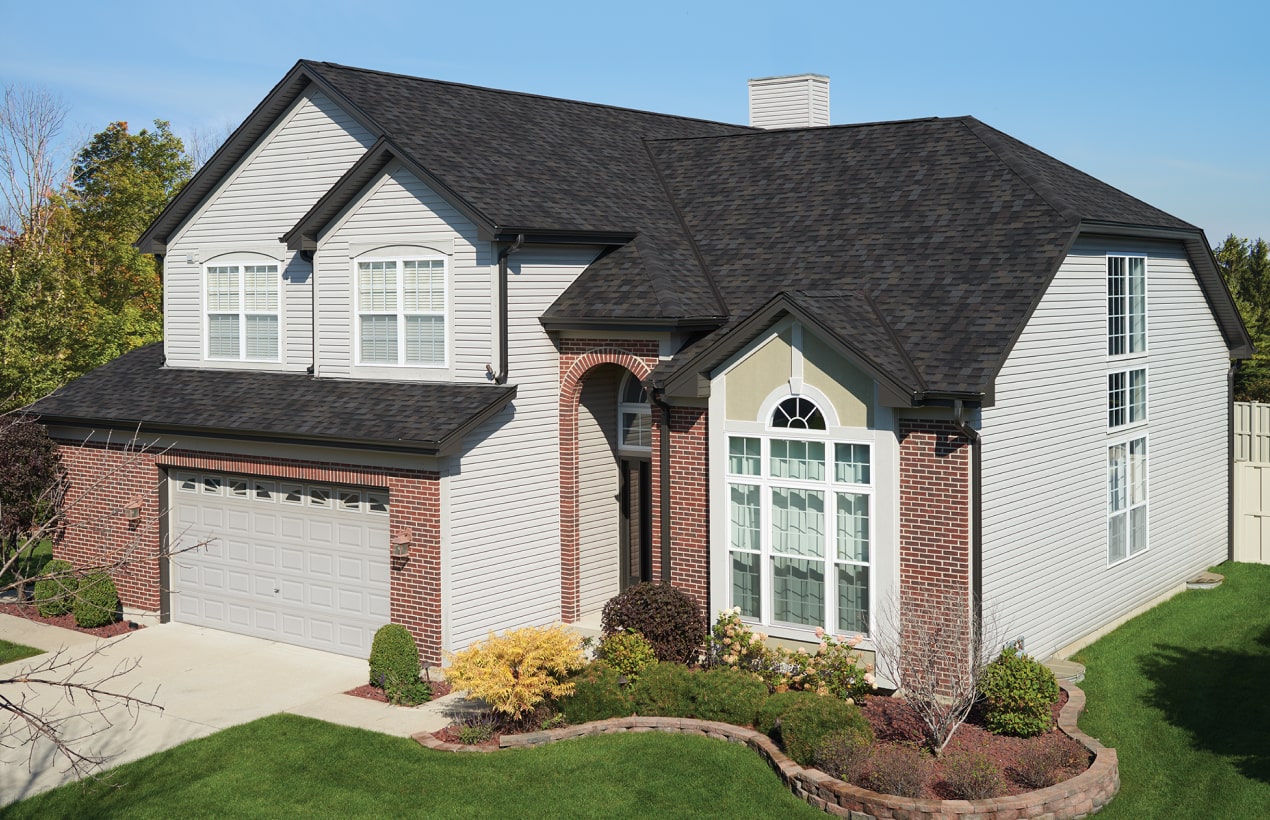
(60, 700)
(935, 651)
(33, 161)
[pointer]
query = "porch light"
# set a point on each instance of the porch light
(132, 508)
(401, 541)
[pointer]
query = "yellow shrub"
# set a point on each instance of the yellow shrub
(516, 671)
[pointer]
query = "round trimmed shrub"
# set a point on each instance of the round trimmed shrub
(96, 601)
(663, 689)
(394, 657)
(805, 725)
(769, 716)
(1019, 694)
(627, 653)
(598, 694)
(727, 695)
(56, 595)
(667, 617)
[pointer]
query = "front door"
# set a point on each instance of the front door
(635, 501)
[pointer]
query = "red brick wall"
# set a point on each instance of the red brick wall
(103, 478)
(934, 533)
(689, 500)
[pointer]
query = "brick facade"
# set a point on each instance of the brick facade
(935, 515)
(103, 478)
(689, 522)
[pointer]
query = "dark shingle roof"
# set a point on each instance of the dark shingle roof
(136, 390)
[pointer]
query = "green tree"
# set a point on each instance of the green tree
(1245, 265)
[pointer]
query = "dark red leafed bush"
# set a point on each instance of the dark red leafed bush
(667, 617)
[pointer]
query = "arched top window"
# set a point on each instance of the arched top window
(633, 390)
(798, 413)
(635, 423)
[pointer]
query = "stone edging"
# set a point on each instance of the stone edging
(1084, 794)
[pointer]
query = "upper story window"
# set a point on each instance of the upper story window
(1126, 397)
(1126, 305)
(798, 413)
(242, 312)
(1126, 499)
(401, 312)
(635, 417)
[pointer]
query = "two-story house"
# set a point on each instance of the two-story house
(467, 359)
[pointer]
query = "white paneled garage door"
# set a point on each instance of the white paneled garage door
(301, 563)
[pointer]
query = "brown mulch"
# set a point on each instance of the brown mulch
(450, 734)
(892, 723)
(439, 690)
(29, 612)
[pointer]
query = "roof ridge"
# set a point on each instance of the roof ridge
(787, 131)
(1006, 155)
(524, 94)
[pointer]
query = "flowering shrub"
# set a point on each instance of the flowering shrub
(518, 670)
(836, 669)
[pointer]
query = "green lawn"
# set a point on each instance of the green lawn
(30, 560)
(10, 651)
(1182, 693)
(288, 766)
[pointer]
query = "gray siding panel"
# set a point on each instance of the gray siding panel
(1046, 575)
(598, 527)
(296, 162)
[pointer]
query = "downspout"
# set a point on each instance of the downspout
(500, 376)
(307, 256)
(1231, 372)
(664, 490)
(976, 511)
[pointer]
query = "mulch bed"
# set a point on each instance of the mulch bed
(439, 690)
(29, 612)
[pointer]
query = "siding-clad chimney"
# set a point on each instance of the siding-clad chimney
(798, 101)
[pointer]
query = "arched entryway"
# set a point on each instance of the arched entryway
(606, 481)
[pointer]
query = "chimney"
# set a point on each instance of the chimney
(798, 101)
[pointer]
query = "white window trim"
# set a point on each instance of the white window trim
(1124, 440)
(829, 487)
(401, 313)
(1127, 426)
(624, 407)
(240, 260)
(1146, 309)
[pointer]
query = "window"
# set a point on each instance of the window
(1126, 397)
(242, 312)
(635, 417)
(1126, 305)
(800, 524)
(401, 312)
(1126, 499)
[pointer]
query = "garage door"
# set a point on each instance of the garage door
(300, 563)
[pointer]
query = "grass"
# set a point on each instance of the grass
(1182, 693)
(289, 766)
(30, 561)
(10, 651)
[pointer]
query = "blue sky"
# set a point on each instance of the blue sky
(1169, 101)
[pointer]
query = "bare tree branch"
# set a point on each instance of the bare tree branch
(33, 162)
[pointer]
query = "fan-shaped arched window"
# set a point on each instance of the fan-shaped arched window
(798, 413)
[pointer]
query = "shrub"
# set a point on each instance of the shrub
(627, 653)
(55, 591)
(727, 695)
(477, 729)
(769, 716)
(839, 670)
(1040, 764)
(663, 689)
(733, 644)
(407, 694)
(1019, 694)
(598, 694)
(517, 671)
(898, 769)
(844, 754)
(805, 725)
(972, 776)
(394, 659)
(667, 617)
(96, 601)
(31, 479)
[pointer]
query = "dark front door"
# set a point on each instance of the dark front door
(636, 521)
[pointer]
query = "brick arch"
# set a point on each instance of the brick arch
(577, 359)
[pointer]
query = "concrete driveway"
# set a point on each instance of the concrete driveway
(205, 681)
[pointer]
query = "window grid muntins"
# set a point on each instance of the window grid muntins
(800, 531)
(242, 312)
(1126, 397)
(1126, 499)
(635, 417)
(1126, 305)
(401, 312)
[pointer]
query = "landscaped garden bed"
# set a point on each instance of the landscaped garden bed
(67, 621)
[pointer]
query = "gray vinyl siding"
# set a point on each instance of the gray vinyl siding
(400, 210)
(800, 101)
(504, 491)
(598, 528)
(297, 161)
(1046, 575)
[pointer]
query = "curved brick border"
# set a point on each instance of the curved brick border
(1084, 794)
